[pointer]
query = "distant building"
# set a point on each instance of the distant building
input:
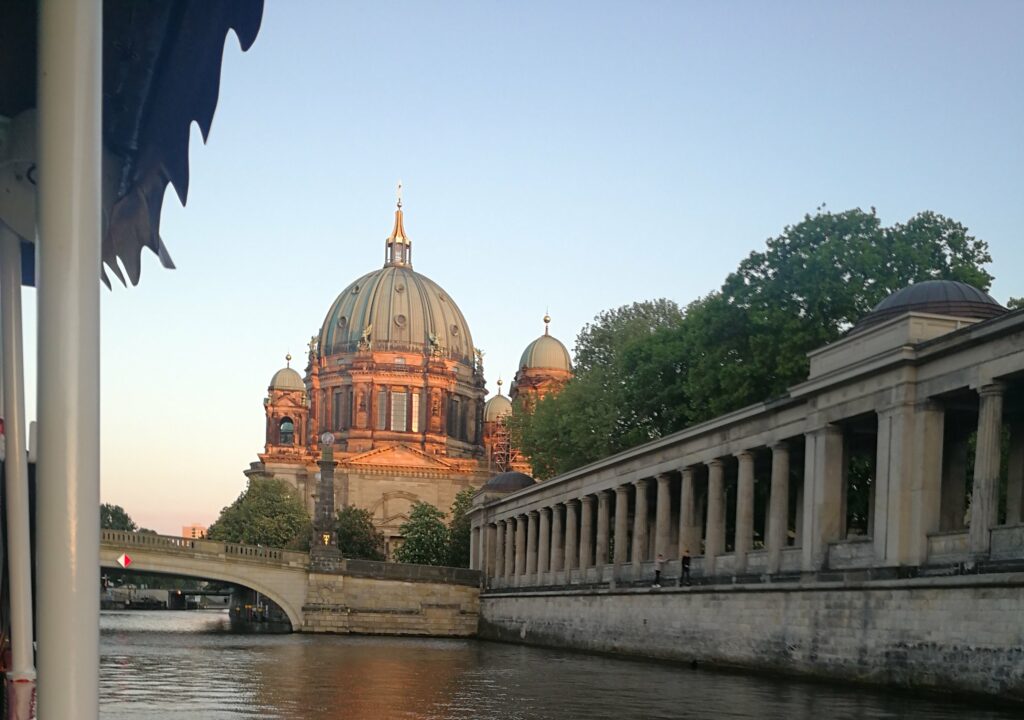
(393, 373)
(195, 532)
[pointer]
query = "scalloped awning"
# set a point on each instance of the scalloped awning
(161, 72)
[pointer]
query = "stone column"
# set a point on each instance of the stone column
(640, 525)
(744, 510)
(571, 537)
(714, 543)
(531, 544)
(544, 542)
(474, 548)
(499, 550)
(492, 541)
(1015, 475)
(778, 506)
(824, 491)
(510, 548)
(557, 540)
(687, 516)
(620, 556)
(521, 545)
(923, 463)
(586, 532)
(663, 516)
(603, 518)
(985, 496)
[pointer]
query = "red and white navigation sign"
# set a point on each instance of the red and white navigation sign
(124, 561)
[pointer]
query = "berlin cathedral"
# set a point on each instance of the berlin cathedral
(393, 374)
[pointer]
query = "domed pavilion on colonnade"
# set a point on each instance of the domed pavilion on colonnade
(393, 373)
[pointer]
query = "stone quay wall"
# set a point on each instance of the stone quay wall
(958, 634)
(392, 599)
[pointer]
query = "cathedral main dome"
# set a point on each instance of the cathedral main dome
(396, 308)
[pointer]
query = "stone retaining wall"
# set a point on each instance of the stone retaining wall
(347, 604)
(960, 634)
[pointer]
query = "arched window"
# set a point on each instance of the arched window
(286, 432)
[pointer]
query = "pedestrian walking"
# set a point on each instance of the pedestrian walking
(659, 563)
(684, 567)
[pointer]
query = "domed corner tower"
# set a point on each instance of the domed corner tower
(544, 367)
(395, 364)
(287, 410)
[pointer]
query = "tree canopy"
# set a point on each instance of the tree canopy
(649, 369)
(114, 517)
(357, 535)
(268, 513)
(460, 529)
(425, 537)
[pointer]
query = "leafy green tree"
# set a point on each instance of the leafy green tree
(425, 537)
(114, 517)
(269, 513)
(357, 535)
(460, 529)
(1015, 303)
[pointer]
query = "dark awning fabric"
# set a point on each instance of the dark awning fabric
(161, 72)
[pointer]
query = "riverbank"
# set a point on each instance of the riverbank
(963, 634)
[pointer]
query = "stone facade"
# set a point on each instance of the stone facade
(858, 474)
(949, 634)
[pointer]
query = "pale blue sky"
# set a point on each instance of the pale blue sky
(573, 156)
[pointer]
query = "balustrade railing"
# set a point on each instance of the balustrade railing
(201, 546)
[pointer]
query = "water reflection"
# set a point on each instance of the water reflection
(158, 665)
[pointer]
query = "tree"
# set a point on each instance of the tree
(460, 529)
(1015, 303)
(267, 513)
(425, 537)
(114, 517)
(357, 535)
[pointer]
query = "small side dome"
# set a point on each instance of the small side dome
(287, 379)
(497, 407)
(939, 297)
(546, 352)
(508, 482)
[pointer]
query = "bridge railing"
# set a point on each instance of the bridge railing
(204, 547)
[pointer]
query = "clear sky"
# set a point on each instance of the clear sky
(571, 156)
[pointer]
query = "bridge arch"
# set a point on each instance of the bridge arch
(279, 575)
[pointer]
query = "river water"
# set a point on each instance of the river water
(156, 665)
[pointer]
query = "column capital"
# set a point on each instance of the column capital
(604, 494)
(533, 514)
(686, 470)
(780, 446)
(745, 455)
(717, 462)
(622, 489)
(571, 502)
(544, 510)
(992, 388)
(587, 500)
(663, 477)
(642, 482)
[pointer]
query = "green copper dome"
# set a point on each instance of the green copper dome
(397, 308)
(287, 379)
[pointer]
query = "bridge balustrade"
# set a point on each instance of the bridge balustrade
(204, 547)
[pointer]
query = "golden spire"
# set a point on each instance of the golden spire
(288, 360)
(500, 383)
(547, 321)
(398, 247)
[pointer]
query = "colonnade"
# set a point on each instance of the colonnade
(608, 533)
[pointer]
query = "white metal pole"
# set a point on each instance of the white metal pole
(19, 556)
(70, 96)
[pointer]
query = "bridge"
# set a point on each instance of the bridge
(358, 596)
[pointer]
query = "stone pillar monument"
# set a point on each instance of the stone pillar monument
(324, 554)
